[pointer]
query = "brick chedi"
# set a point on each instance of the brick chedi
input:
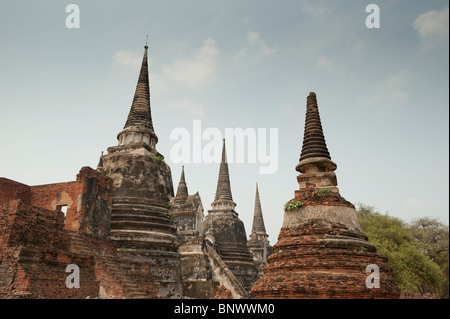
(227, 231)
(258, 243)
(322, 251)
(143, 187)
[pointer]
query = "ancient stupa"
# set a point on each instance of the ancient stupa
(227, 232)
(322, 251)
(258, 242)
(143, 187)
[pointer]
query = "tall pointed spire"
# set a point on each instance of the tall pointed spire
(227, 231)
(258, 221)
(314, 151)
(182, 191)
(258, 243)
(223, 185)
(139, 125)
(140, 113)
(223, 198)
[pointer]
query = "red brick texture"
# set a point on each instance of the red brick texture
(323, 259)
(88, 199)
(221, 292)
(303, 267)
(36, 245)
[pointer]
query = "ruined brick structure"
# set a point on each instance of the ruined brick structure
(132, 238)
(123, 228)
(321, 250)
(37, 242)
(258, 244)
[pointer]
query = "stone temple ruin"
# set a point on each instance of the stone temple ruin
(130, 236)
(124, 229)
(321, 250)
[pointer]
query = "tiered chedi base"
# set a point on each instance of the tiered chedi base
(322, 253)
(230, 241)
(140, 225)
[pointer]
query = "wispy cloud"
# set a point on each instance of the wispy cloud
(312, 8)
(394, 88)
(432, 27)
(391, 91)
(194, 72)
(255, 40)
(326, 63)
(412, 204)
(189, 106)
(358, 46)
(128, 59)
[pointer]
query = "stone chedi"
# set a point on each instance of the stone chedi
(227, 232)
(321, 250)
(142, 183)
(203, 272)
(258, 243)
(124, 229)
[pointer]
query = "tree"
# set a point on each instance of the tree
(432, 238)
(413, 270)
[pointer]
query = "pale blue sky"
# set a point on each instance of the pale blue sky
(382, 93)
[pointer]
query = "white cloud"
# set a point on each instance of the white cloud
(188, 105)
(195, 72)
(158, 83)
(313, 9)
(412, 204)
(326, 63)
(255, 40)
(330, 65)
(432, 27)
(129, 59)
(358, 45)
(394, 87)
(389, 92)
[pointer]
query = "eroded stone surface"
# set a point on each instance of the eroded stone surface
(321, 250)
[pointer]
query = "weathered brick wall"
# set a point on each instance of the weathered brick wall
(302, 266)
(322, 253)
(10, 189)
(88, 201)
(51, 196)
(35, 253)
(310, 197)
(36, 245)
